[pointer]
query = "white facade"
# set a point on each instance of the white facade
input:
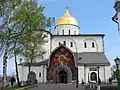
(67, 30)
(23, 73)
(78, 43)
(69, 35)
(85, 73)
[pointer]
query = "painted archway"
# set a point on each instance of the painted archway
(62, 59)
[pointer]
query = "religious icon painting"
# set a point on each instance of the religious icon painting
(62, 50)
(66, 54)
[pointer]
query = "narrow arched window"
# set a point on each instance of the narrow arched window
(39, 74)
(64, 42)
(85, 45)
(59, 43)
(69, 32)
(93, 45)
(63, 32)
(71, 44)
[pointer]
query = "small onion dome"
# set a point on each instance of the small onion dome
(66, 19)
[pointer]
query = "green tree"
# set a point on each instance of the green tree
(2, 4)
(22, 31)
(14, 50)
(32, 25)
(114, 72)
(7, 8)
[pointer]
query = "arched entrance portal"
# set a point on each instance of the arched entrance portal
(61, 66)
(62, 76)
(93, 76)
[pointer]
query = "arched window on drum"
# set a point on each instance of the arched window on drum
(85, 45)
(93, 45)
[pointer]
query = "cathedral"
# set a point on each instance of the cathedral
(70, 56)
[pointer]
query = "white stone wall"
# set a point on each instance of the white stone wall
(74, 30)
(56, 40)
(80, 73)
(107, 73)
(87, 73)
(47, 46)
(43, 74)
(102, 73)
(23, 73)
(84, 72)
(78, 43)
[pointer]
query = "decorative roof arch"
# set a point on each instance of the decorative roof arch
(67, 51)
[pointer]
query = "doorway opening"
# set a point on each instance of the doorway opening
(62, 76)
(93, 76)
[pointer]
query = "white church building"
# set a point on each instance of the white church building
(70, 56)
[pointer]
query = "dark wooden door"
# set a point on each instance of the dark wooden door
(62, 77)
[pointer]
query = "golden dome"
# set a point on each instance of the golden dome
(67, 19)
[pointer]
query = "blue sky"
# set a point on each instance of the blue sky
(94, 16)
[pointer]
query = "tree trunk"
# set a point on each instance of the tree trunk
(4, 71)
(30, 65)
(18, 81)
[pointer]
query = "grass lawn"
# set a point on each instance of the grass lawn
(12, 88)
(16, 87)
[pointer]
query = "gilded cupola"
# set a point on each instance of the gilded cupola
(67, 19)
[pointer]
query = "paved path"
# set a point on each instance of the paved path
(57, 87)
